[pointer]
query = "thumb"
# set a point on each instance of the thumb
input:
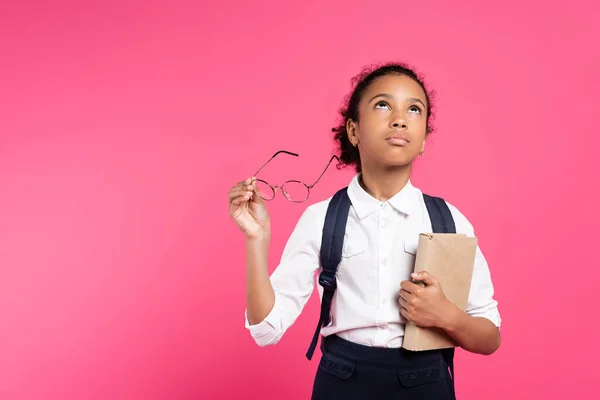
(425, 277)
(256, 192)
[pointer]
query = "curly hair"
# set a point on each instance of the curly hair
(349, 155)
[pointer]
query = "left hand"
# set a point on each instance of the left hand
(425, 306)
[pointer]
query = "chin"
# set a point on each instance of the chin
(398, 160)
(397, 163)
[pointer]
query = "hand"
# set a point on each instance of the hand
(426, 306)
(248, 210)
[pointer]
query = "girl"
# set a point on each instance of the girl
(384, 128)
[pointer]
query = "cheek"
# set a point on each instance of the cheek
(417, 118)
(419, 122)
(372, 122)
(365, 127)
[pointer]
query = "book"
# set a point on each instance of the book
(450, 258)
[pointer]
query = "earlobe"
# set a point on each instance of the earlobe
(351, 130)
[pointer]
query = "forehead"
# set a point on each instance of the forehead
(398, 86)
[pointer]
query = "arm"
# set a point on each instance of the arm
(475, 334)
(476, 329)
(274, 303)
(260, 296)
(427, 307)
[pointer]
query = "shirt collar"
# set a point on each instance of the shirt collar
(364, 204)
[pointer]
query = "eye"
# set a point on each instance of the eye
(382, 103)
(415, 109)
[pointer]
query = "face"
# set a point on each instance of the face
(392, 126)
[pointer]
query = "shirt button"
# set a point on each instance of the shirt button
(384, 224)
(384, 261)
(384, 301)
(383, 206)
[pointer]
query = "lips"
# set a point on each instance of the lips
(397, 140)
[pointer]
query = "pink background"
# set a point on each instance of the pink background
(122, 126)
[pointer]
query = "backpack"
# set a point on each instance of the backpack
(331, 253)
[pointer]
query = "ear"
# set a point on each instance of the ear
(352, 131)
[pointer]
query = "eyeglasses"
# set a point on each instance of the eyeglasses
(293, 190)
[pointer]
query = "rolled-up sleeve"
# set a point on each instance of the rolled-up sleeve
(293, 279)
(481, 302)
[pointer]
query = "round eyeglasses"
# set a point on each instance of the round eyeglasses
(293, 190)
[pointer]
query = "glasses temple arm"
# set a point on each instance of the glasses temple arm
(325, 170)
(272, 157)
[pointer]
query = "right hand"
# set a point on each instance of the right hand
(248, 210)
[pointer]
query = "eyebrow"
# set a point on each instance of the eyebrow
(387, 96)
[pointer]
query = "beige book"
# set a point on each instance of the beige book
(450, 259)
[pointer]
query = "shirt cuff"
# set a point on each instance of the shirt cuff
(266, 326)
(494, 317)
(496, 320)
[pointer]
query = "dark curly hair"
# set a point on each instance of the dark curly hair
(349, 155)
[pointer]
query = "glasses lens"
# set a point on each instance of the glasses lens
(264, 190)
(295, 191)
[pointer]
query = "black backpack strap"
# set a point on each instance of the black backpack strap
(440, 215)
(332, 244)
(441, 222)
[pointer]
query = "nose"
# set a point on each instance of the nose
(398, 122)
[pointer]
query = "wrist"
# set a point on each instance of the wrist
(452, 318)
(259, 238)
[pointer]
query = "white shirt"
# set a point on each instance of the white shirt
(379, 252)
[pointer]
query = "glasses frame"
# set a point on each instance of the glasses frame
(275, 188)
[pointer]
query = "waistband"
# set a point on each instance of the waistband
(379, 356)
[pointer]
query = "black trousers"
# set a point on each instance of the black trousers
(351, 371)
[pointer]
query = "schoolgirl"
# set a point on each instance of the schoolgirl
(384, 127)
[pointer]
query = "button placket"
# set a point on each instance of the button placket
(384, 274)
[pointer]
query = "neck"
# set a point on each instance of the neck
(384, 183)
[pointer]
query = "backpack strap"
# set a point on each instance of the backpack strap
(441, 222)
(332, 243)
(439, 214)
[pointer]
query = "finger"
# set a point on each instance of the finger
(409, 299)
(242, 191)
(238, 202)
(257, 199)
(425, 277)
(403, 302)
(405, 295)
(235, 187)
(253, 184)
(411, 287)
(241, 184)
(404, 313)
